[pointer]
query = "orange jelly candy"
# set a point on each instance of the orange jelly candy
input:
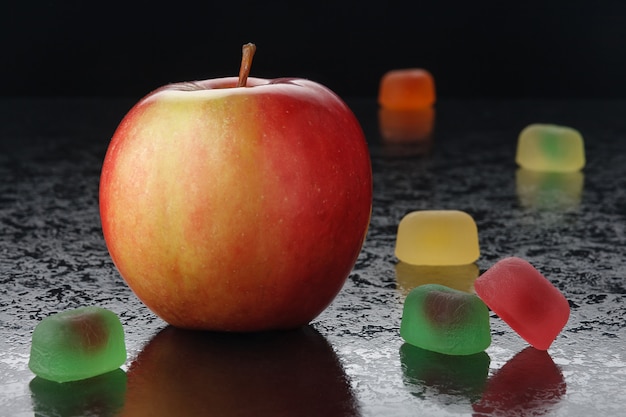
(406, 89)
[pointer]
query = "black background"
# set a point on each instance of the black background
(549, 49)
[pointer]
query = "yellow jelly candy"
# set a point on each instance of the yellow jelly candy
(553, 148)
(437, 237)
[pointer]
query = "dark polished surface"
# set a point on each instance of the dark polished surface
(351, 360)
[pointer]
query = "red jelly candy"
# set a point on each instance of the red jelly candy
(525, 300)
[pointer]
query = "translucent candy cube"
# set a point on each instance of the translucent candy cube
(406, 89)
(525, 300)
(548, 147)
(445, 320)
(437, 237)
(77, 344)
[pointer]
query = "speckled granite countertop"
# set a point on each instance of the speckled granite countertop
(351, 360)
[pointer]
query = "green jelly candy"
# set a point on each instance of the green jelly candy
(77, 344)
(445, 320)
(548, 147)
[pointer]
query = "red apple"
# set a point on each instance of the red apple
(237, 208)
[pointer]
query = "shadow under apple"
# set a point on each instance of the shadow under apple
(193, 373)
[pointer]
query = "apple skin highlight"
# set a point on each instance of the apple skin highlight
(237, 209)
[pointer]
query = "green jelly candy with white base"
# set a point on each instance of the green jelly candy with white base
(77, 344)
(445, 320)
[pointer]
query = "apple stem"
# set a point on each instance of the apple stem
(247, 52)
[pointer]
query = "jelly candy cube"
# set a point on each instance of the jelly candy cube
(77, 344)
(437, 237)
(445, 320)
(525, 300)
(553, 148)
(406, 89)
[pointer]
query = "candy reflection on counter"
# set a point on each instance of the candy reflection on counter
(407, 126)
(464, 376)
(549, 190)
(529, 384)
(102, 395)
(458, 277)
(190, 373)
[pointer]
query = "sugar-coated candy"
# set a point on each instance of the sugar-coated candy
(406, 89)
(548, 147)
(525, 300)
(445, 320)
(437, 237)
(77, 344)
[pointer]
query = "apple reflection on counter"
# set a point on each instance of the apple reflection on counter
(406, 132)
(192, 373)
(549, 190)
(530, 383)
